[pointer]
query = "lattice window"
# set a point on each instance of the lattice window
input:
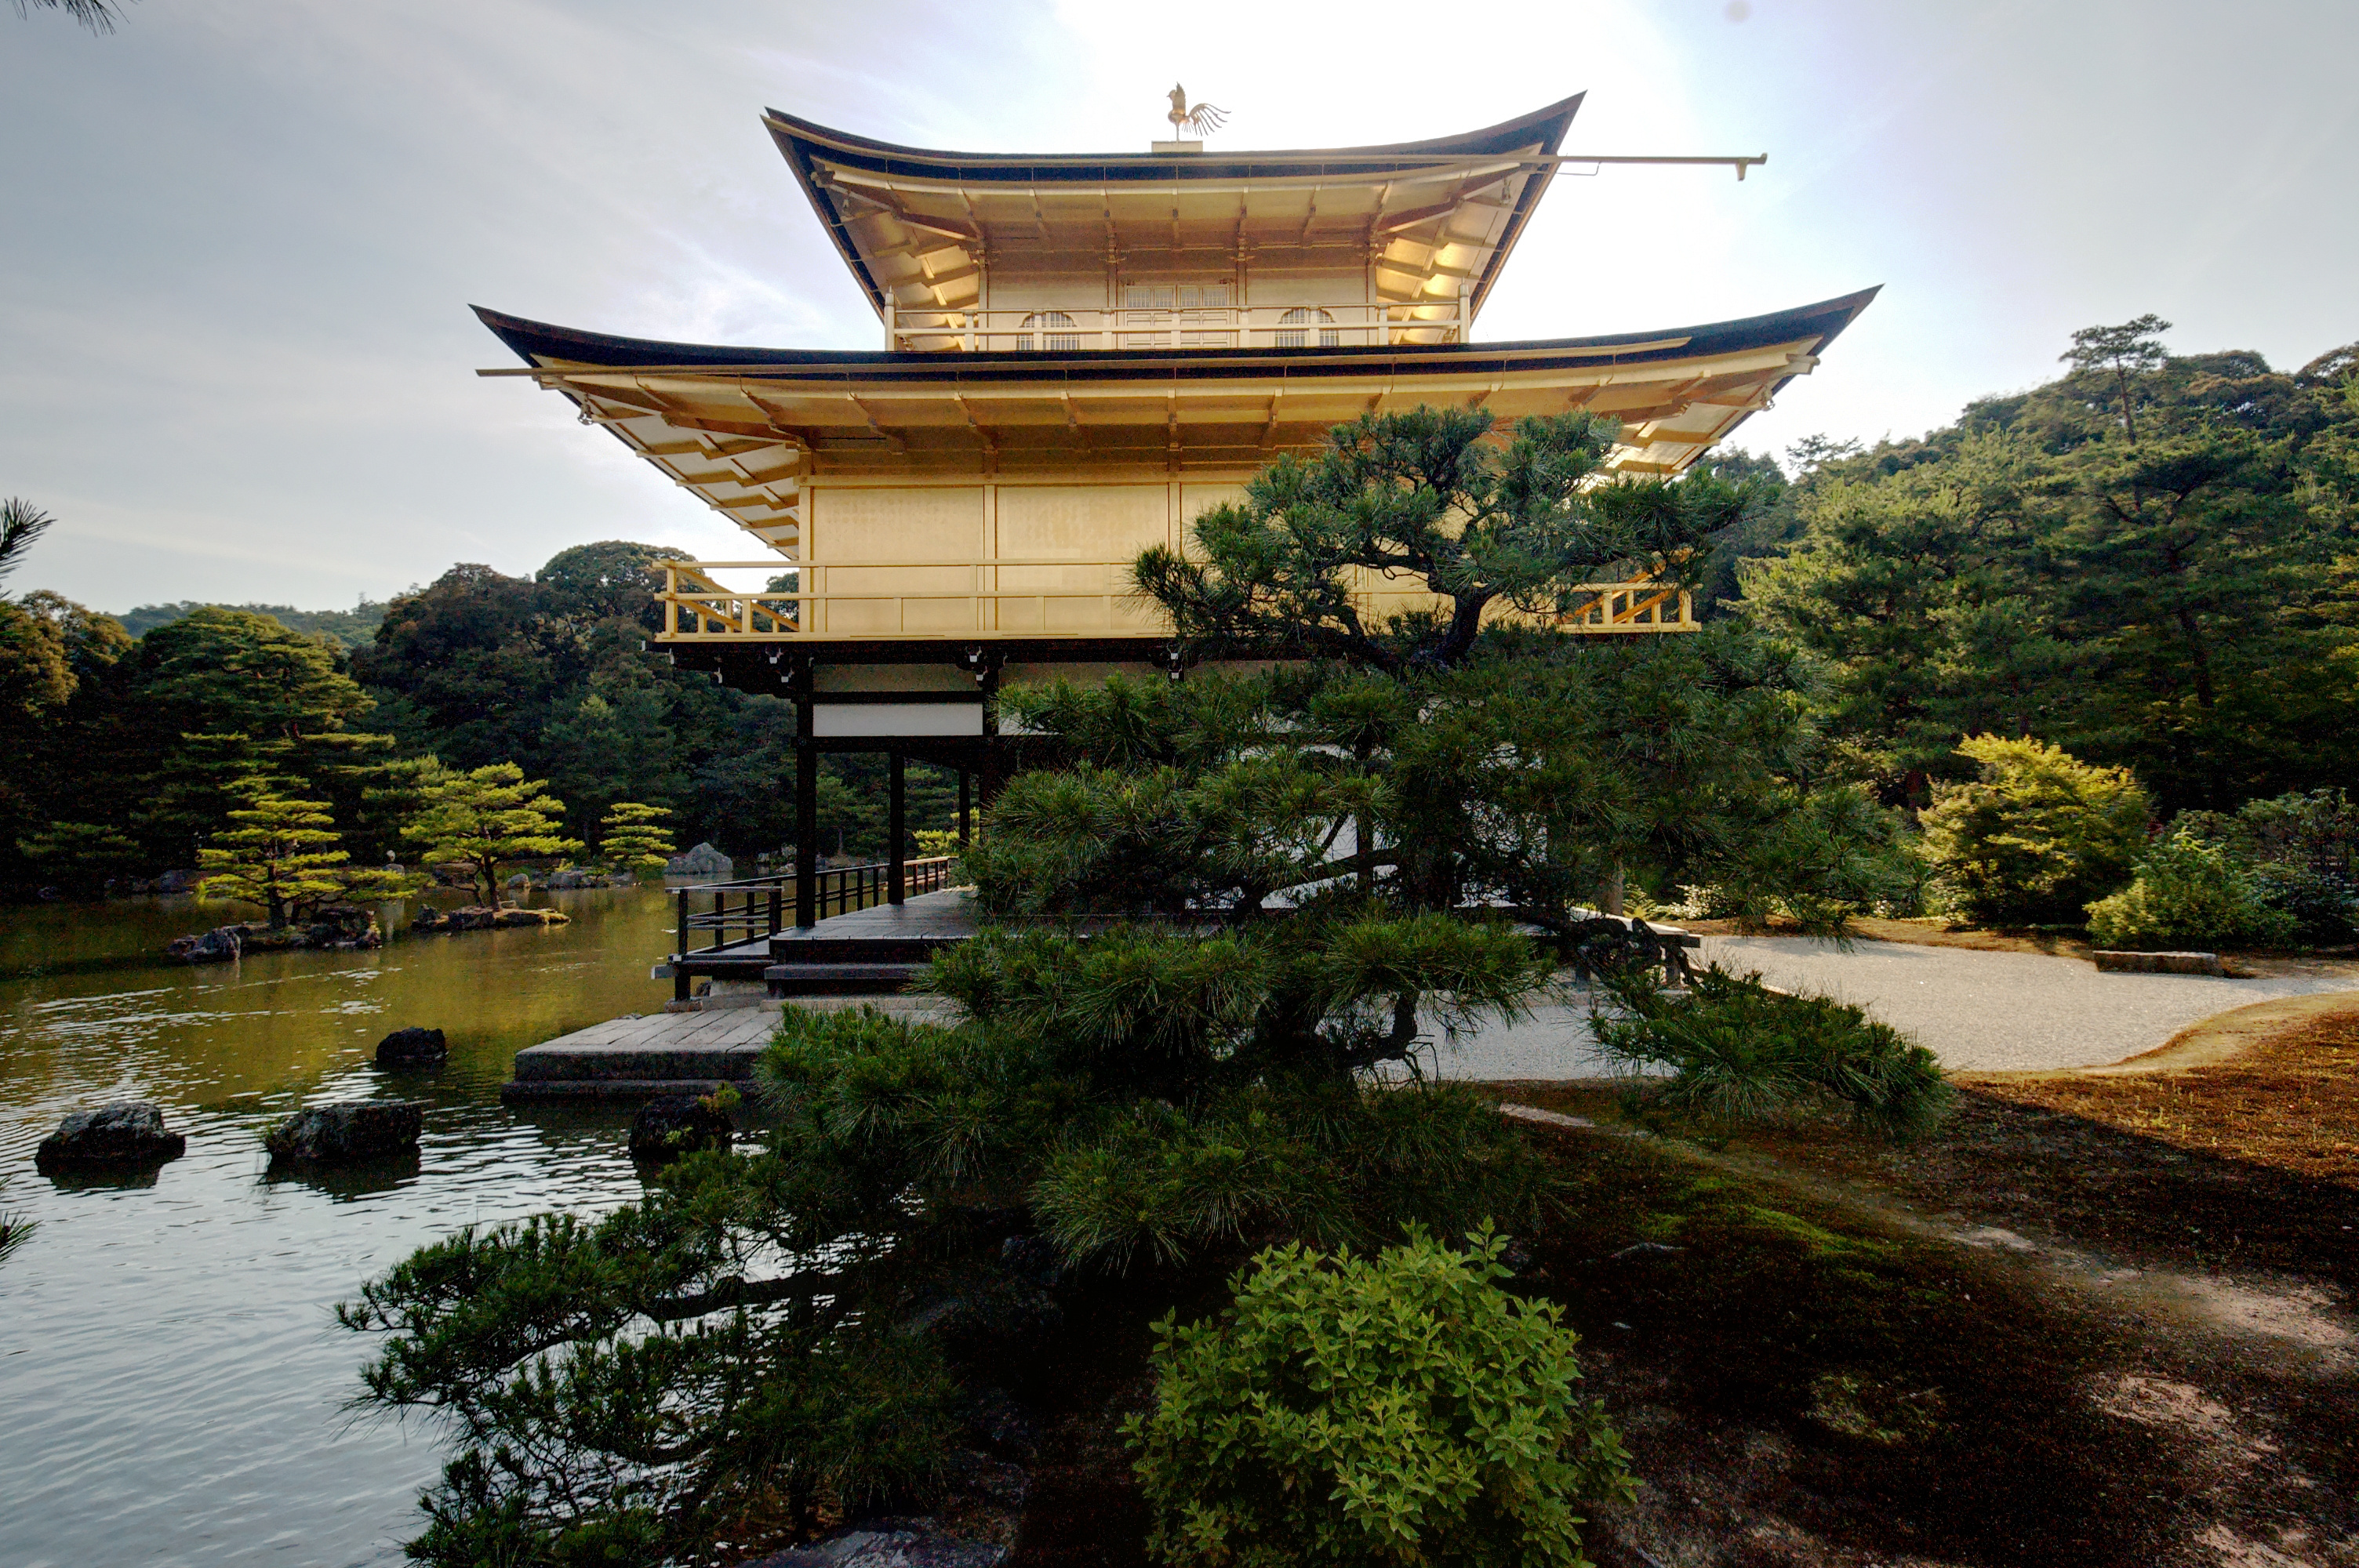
(1057, 332)
(1294, 327)
(1205, 319)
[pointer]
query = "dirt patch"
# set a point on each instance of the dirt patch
(1827, 1373)
(1803, 1384)
(2285, 1098)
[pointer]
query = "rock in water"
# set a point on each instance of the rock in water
(126, 1133)
(704, 860)
(671, 1125)
(218, 946)
(484, 917)
(348, 1130)
(413, 1047)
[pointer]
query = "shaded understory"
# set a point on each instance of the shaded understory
(1830, 1353)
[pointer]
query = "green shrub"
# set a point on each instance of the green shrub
(2303, 852)
(2190, 894)
(2036, 837)
(1741, 1051)
(1400, 1409)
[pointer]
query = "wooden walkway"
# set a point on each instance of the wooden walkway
(933, 918)
(666, 1053)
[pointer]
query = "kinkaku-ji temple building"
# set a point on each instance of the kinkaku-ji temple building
(1078, 354)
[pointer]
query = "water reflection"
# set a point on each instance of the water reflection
(174, 1384)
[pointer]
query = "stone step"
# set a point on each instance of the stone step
(840, 978)
(588, 1091)
(854, 949)
(729, 1060)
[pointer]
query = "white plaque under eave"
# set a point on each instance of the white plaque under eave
(834, 719)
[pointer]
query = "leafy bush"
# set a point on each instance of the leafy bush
(1401, 1409)
(2322, 906)
(2190, 894)
(1740, 1051)
(2303, 854)
(2036, 837)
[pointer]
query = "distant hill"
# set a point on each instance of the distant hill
(353, 628)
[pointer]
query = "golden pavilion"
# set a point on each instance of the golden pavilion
(1076, 355)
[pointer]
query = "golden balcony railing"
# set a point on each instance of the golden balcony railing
(1071, 330)
(1009, 597)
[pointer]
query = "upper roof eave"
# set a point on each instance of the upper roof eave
(800, 139)
(805, 144)
(540, 344)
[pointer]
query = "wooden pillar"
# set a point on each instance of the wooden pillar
(896, 827)
(966, 807)
(806, 831)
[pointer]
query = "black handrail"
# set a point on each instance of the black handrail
(763, 906)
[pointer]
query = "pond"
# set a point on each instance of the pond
(174, 1385)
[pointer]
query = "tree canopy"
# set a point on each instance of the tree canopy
(2149, 562)
(487, 816)
(1431, 498)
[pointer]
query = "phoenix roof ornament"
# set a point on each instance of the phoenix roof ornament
(1203, 118)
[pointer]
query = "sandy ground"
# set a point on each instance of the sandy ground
(1978, 1012)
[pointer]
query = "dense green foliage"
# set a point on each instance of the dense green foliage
(353, 628)
(634, 835)
(1738, 1051)
(1395, 1410)
(2034, 838)
(1531, 777)
(2149, 563)
(484, 817)
(2190, 894)
(669, 1377)
(119, 758)
(282, 854)
(2301, 851)
(1433, 499)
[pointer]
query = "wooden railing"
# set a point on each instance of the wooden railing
(1004, 597)
(759, 907)
(1072, 329)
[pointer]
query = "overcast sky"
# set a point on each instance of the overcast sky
(240, 236)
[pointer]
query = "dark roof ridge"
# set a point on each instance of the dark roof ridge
(535, 342)
(1544, 125)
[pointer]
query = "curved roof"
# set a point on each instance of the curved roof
(914, 224)
(804, 141)
(540, 344)
(746, 427)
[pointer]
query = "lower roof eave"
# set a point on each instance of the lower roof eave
(545, 347)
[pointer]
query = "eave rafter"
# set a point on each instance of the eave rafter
(751, 431)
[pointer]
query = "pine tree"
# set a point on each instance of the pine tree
(278, 856)
(635, 835)
(487, 816)
(1430, 499)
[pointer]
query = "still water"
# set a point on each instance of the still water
(172, 1386)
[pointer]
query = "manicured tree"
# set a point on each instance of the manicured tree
(2037, 837)
(1429, 499)
(86, 852)
(1169, 1091)
(486, 817)
(635, 835)
(280, 855)
(1473, 761)
(734, 1356)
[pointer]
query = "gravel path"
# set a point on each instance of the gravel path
(1976, 1010)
